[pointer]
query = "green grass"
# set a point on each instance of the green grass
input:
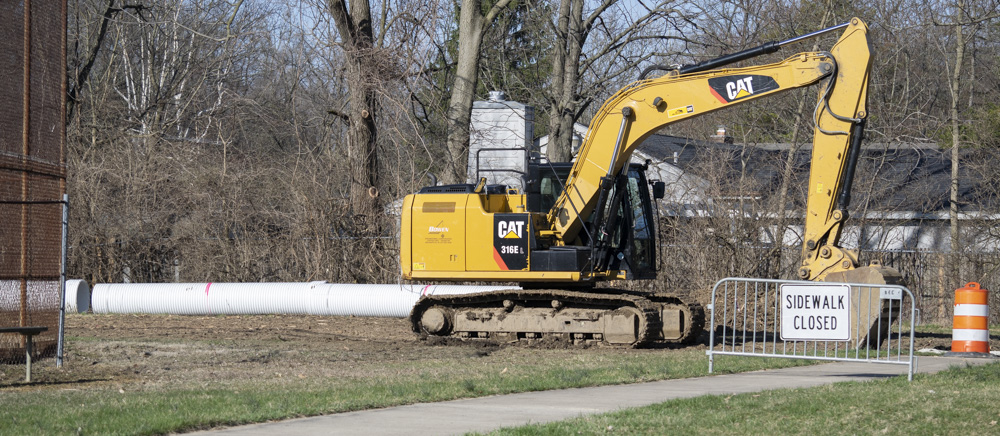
(956, 401)
(946, 329)
(142, 410)
(146, 407)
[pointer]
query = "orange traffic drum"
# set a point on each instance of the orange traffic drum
(970, 332)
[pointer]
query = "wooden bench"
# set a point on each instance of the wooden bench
(29, 333)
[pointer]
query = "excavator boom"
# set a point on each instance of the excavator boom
(642, 108)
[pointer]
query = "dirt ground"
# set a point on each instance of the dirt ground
(154, 351)
(151, 351)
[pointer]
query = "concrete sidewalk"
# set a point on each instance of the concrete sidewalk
(488, 413)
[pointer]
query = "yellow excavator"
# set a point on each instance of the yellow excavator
(601, 227)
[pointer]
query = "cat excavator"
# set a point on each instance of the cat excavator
(601, 225)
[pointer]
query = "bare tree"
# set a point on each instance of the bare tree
(474, 18)
(616, 32)
(149, 88)
(362, 74)
(966, 19)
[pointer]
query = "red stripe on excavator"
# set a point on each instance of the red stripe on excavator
(499, 260)
(716, 94)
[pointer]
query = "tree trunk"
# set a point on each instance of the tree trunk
(555, 148)
(956, 245)
(470, 37)
(471, 25)
(362, 153)
(355, 28)
(569, 41)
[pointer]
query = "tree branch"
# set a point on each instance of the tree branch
(229, 23)
(494, 11)
(342, 19)
(339, 114)
(589, 24)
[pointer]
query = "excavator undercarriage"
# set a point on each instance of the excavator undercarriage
(609, 316)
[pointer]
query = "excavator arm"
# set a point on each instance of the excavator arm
(644, 107)
(840, 118)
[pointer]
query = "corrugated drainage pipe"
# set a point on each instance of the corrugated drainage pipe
(43, 295)
(314, 298)
(77, 296)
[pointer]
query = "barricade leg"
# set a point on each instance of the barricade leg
(27, 357)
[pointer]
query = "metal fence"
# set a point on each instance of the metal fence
(751, 317)
(933, 276)
(32, 168)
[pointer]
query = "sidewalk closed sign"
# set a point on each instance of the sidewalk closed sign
(819, 312)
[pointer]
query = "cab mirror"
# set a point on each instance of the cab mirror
(659, 190)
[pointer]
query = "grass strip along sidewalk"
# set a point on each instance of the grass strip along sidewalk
(956, 401)
(111, 410)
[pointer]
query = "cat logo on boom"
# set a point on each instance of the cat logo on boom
(731, 88)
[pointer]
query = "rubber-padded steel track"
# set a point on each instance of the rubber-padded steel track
(694, 316)
(647, 306)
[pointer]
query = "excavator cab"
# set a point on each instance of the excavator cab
(544, 184)
(625, 239)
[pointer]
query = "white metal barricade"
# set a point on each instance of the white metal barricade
(806, 320)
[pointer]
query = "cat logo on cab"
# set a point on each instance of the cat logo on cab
(510, 241)
(510, 229)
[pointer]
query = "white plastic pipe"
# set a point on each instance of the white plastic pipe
(43, 295)
(77, 296)
(315, 298)
(203, 298)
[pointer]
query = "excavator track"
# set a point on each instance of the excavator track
(693, 313)
(608, 316)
